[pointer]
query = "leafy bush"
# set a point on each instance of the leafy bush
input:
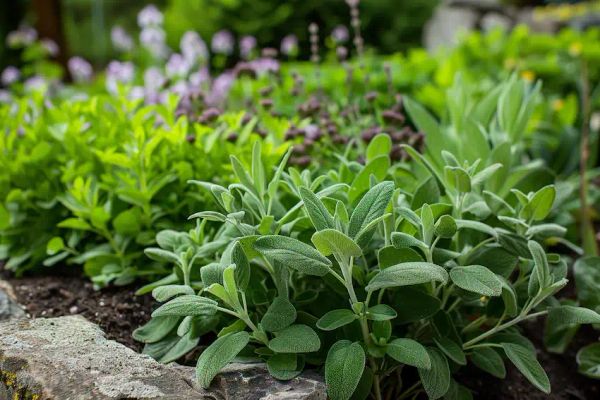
(368, 270)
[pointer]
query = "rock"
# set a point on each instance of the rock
(252, 381)
(68, 358)
(8, 305)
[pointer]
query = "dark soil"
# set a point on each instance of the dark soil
(567, 383)
(117, 310)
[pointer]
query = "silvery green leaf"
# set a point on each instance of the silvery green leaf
(445, 227)
(488, 360)
(563, 316)
(380, 145)
(316, 210)
(156, 329)
(477, 279)
(410, 216)
(331, 241)
(293, 254)
(209, 215)
(187, 305)
(485, 174)
(540, 204)
(335, 319)
(452, 350)
(381, 312)
(161, 255)
(164, 293)
(525, 361)
(218, 355)
(280, 314)
(546, 230)
(409, 352)
(406, 274)
(183, 346)
(295, 339)
(427, 221)
(435, 380)
(343, 369)
(477, 226)
(542, 270)
(283, 366)
(371, 206)
(588, 359)
(403, 240)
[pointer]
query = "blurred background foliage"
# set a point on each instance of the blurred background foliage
(387, 25)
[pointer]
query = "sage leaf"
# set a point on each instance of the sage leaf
(283, 366)
(330, 241)
(406, 274)
(588, 359)
(295, 339)
(335, 319)
(316, 210)
(280, 314)
(525, 361)
(477, 279)
(187, 305)
(371, 206)
(435, 380)
(451, 349)
(488, 360)
(563, 316)
(343, 369)
(381, 312)
(218, 355)
(409, 352)
(293, 254)
(164, 293)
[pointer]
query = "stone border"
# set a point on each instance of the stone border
(69, 357)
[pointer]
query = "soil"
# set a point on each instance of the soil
(117, 310)
(566, 382)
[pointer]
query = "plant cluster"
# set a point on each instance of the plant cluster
(370, 270)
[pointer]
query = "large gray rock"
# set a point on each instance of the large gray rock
(9, 308)
(68, 358)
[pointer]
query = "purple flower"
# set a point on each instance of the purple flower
(121, 40)
(340, 34)
(5, 96)
(264, 65)
(80, 69)
(153, 39)
(289, 45)
(50, 46)
(197, 78)
(177, 66)
(247, 46)
(220, 88)
(22, 37)
(35, 83)
(149, 16)
(153, 79)
(10, 75)
(222, 42)
(118, 72)
(136, 93)
(193, 47)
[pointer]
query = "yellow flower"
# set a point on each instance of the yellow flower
(558, 104)
(528, 75)
(575, 49)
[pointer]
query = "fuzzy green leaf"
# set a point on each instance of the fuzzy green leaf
(293, 254)
(406, 274)
(330, 241)
(343, 369)
(525, 361)
(335, 319)
(187, 305)
(409, 352)
(280, 314)
(218, 355)
(436, 380)
(295, 339)
(316, 210)
(477, 279)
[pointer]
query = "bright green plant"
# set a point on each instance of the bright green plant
(355, 274)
